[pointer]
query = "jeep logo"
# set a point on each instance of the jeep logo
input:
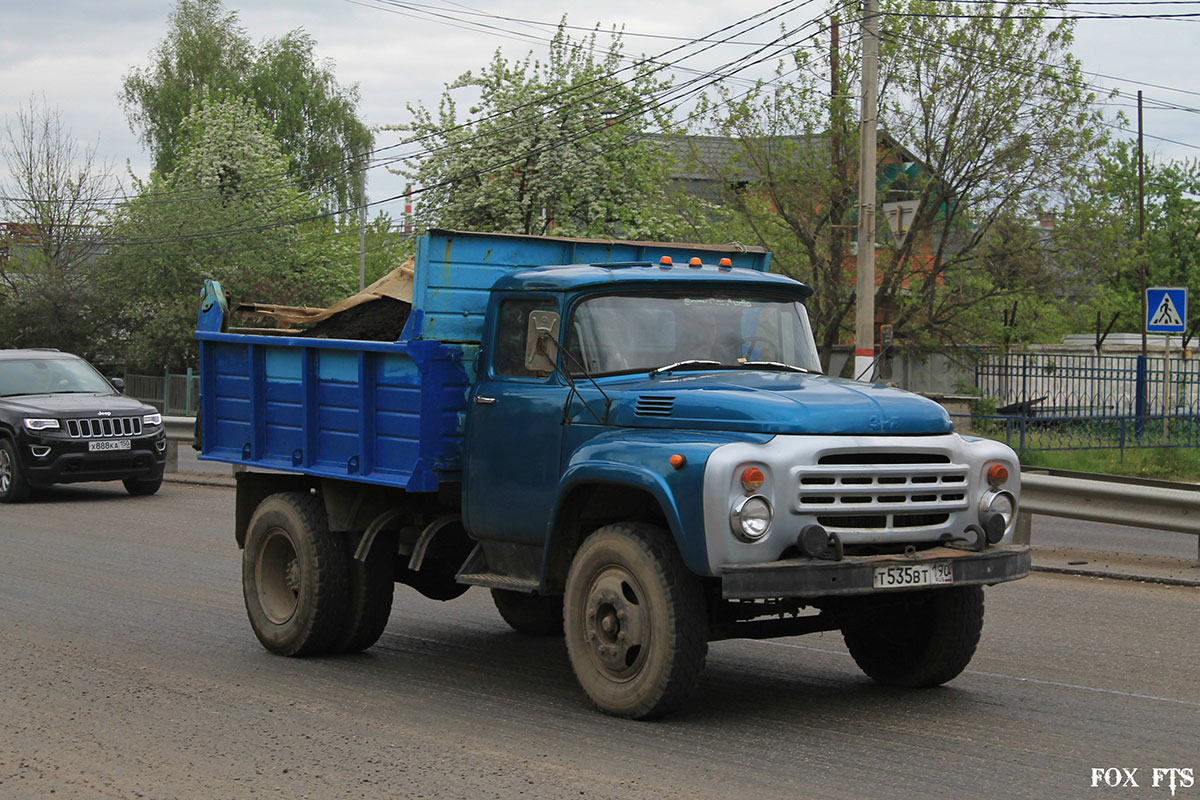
(104, 413)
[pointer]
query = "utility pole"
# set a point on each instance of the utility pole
(362, 220)
(1141, 248)
(864, 328)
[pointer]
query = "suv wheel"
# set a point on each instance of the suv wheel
(13, 488)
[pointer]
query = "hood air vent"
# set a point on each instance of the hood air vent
(655, 405)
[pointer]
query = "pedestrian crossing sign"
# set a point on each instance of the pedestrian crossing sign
(1166, 309)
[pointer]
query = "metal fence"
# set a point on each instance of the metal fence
(1041, 401)
(177, 394)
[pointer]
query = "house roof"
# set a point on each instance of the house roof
(697, 156)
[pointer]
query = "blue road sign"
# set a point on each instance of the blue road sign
(1166, 309)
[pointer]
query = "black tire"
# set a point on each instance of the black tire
(142, 486)
(13, 486)
(922, 644)
(534, 614)
(369, 601)
(294, 576)
(635, 621)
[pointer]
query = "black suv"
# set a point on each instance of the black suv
(61, 421)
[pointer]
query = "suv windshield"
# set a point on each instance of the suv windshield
(50, 376)
(634, 333)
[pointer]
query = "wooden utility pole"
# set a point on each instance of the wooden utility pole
(864, 328)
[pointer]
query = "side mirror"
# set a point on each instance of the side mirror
(541, 340)
(118, 384)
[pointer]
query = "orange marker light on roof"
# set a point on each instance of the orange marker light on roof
(665, 261)
(695, 262)
(725, 262)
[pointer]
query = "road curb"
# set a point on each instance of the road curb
(1116, 566)
(1118, 576)
(200, 479)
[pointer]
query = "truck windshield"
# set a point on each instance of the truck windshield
(635, 333)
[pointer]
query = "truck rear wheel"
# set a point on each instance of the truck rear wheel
(369, 602)
(923, 644)
(635, 621)
(534, 614)
(294, 576)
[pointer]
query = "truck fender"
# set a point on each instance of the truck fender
(688, 533)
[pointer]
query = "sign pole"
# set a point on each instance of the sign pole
(1166, 312)
(1166, 385)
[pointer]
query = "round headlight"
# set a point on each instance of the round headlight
(1000, 502)
(751, 518)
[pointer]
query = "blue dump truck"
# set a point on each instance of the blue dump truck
(629, 444)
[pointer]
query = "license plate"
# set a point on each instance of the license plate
(903, 575)
(104, 445)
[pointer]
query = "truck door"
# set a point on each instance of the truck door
(514, 433)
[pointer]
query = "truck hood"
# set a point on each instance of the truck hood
(774, 402)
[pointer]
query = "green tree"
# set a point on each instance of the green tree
(54, 200)
(1106, 240)
(206, 50)
(987, 121)
(558, 148)
(222, 213)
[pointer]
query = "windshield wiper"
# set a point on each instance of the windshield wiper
(778, 365)
(689, 363)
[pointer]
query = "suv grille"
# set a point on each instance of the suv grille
(882, 490)
(101, 427)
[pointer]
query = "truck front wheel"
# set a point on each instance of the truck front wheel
(923, 643)
(635, 621)
(534, 614)
(294, 576)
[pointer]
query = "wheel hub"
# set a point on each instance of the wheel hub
(6, 470)
(279, 577)
(616, 624)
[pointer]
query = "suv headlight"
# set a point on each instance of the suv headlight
(750, 518)
(150, 420)
(35, 424)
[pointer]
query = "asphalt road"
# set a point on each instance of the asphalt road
(127, 669)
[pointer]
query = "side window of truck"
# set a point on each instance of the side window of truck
(512, 326)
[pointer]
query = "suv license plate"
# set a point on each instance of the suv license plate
(900, 576)
(104, 445)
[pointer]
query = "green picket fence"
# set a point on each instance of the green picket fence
(173, 394)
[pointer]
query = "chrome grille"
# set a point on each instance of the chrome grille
(851, 494)
(104, 427)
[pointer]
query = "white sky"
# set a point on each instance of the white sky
(75, 53)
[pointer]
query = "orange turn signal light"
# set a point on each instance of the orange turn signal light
(753, 479)
(997, 474)
(677, 461)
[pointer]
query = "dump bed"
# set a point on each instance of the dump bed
(383, 412)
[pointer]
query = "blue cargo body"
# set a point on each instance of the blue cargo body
(388, 413)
